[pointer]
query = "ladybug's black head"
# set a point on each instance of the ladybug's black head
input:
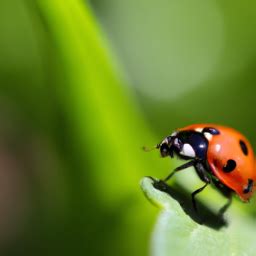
(166, 147)
(185, 144)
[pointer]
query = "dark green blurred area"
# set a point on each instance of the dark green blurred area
(189, 61)
(184, 63)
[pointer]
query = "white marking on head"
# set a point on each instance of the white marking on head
(199, 129)
(218, 147)
(208, 136)
(174, 134)
(187, 150)
(165, 141)
(176, 141)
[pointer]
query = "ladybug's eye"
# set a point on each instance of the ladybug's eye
(164, 150)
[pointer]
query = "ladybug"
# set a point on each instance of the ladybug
(220, 156)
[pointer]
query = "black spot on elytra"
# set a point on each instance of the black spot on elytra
(243, 147)
(211, 130)
(249, 187)
(229, 166)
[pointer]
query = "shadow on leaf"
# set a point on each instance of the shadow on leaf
(204, 216)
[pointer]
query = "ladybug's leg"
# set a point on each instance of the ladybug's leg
(179, 168)
(203, 175)
(202, 172)
(249, 186)
(195, 193)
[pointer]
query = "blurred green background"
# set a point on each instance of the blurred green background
(84, 85)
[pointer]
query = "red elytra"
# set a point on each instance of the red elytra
(230, 145)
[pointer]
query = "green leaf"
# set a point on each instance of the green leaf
(176, 233)
(107, 131)
(100, 107)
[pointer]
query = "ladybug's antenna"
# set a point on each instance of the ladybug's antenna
(146, 149)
